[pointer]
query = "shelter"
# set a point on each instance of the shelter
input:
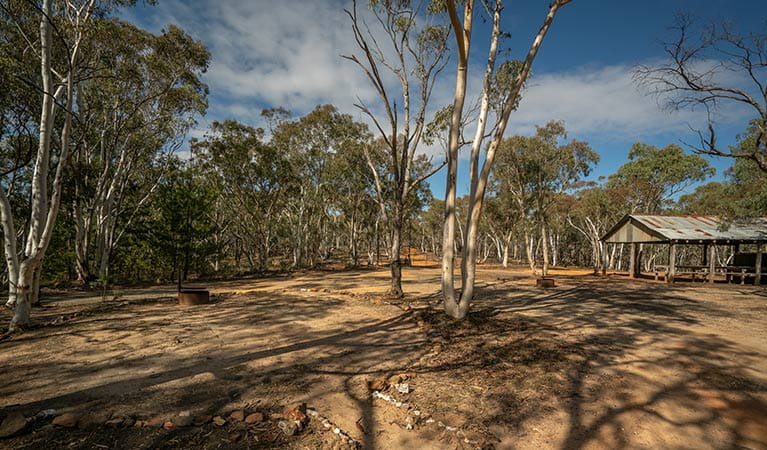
(708, 231)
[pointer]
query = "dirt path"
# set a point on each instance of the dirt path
(593, 363)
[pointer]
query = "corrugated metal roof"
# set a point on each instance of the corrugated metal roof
(697, 228)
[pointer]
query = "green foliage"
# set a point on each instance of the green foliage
(182, 228)
(742, 194)
(654, 175)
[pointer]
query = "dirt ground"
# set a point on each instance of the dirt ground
(592, 363)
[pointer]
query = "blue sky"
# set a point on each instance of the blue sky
(267, 53)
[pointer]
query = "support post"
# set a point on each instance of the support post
(705, 255)
(604, 249)
(672, 263)
(633, 261)
(711, 262)
(758, 268)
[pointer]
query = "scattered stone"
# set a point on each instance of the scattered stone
(377, 385)
(297, 413)
(115, 422)
(168, 425)
(46, 414)
(237, 415)
(290, 429)
(154, 423)
(236, 436)
(202, 419)
(92, 420)
(220, 421)
(254, 418)
(12, 424)
(402, 388)
(66, 420)
(183, 421)
(184, 414)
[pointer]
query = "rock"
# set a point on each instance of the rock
(254, 418)
(236, 436)
(92, 420)
(220, 421)
(202, 419)
(402, 388)
(184, 414)
(46, 414)
(115, 422)
(297, 413)
(168, 425)
(237, 415)
(377, 385)
(12, 424)
(66, 420)
(290, 429)
(276, 416)
(154, 422)
(183, 421)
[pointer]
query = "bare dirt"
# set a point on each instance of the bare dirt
(592, 363)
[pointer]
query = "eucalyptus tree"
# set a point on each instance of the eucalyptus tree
(535, 171)
(253, 177)
(409, 47)
(312, 144)
(742, 194)
(707, 67)
(64, 29)
(501, 87)
(352, 196)
(594, 211)
(141, 97)
(656, 175)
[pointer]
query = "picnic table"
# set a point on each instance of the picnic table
(729, 271)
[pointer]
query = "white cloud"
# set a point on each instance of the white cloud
(286, 53)
(273, 53)
(605, 101)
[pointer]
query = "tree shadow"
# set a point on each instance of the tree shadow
(609, 358)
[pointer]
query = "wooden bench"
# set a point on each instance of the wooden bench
(693, 271)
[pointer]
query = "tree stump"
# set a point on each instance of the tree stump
(189, 297)
(544, 282)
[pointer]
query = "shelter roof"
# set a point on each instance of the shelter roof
(650, 228)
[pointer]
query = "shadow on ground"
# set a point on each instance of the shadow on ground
(593, 364)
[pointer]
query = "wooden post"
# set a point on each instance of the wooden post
(672, 263)
(758, 268)
(604, 249)
(705, 255)
(711, 262)
(633, 261)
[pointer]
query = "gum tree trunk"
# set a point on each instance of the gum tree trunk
(459, 307)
